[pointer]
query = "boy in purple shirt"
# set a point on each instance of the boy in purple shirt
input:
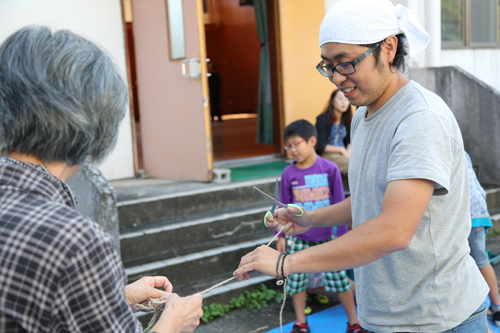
(312, 182)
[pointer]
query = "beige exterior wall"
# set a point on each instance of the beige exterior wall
(97, 20)
(305, 91)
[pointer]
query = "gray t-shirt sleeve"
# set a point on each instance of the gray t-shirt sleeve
(422, 148)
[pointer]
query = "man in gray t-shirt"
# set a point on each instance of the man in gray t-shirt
(409, 204)
(433, 283)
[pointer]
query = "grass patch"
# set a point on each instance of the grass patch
(492, 232)
(250, 300)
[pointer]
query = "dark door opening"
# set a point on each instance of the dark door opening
(233, 48)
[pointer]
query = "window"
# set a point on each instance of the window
(470, 23)
(452, 22)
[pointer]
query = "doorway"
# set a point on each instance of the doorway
(233, 50)
(171, 117)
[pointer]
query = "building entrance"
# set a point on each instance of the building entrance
(233, 50)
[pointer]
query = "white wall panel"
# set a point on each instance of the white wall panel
(97, 20)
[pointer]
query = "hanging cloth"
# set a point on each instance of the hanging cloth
(265, 106)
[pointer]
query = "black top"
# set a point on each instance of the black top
(324, 128)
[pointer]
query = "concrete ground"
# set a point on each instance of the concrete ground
(493, 244)
(265, 319)
(258, 321)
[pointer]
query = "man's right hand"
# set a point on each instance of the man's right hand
(294, 225)
(181, 314)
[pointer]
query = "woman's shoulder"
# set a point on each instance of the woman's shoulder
(322, 119)
(322, 116)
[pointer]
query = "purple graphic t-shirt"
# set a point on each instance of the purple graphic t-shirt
(317, 186)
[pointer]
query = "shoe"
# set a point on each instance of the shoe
(300, 328)
(307, 310)
(494, 316)
(355, 329)
(322, 299)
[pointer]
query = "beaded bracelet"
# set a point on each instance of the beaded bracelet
(280, 279)
(282, 266)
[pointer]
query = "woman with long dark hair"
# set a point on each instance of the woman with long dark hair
(334, 129)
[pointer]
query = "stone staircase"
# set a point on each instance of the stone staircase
(196, 237)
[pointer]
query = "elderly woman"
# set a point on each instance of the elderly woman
(61, 101)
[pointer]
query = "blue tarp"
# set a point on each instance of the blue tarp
(334, 320)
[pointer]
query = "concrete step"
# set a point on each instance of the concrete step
(195, 234)
(169, 238)
(204, 198)
(200, 265)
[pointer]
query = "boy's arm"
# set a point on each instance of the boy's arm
(337, 194)
(336, 186)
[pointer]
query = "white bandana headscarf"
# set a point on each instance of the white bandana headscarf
(370, 21)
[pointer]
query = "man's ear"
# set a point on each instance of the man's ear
(312, 140)
(389, 48)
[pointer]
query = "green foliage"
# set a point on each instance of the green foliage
(451, 20)
(259, 298)
(237, 302)
(492, 232)
(253, 299)
(214, 310)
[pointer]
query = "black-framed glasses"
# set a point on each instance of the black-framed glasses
(344, 68)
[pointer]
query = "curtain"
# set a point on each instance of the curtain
(265, 106)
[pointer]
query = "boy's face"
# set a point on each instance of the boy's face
(300, 149)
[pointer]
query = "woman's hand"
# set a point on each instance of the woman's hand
(338, 150)
(181, 314)
(345, 152)
(262, 259)
(288, 218)
(145, 288)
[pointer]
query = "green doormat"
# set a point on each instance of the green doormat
(257, 171)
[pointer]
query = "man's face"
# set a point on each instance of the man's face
(367, 84)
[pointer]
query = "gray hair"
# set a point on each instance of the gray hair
(61, 97)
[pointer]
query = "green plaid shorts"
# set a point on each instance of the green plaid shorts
(336, 282)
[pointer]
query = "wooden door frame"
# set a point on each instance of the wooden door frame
(131, 93)
(204, 84)
(272, 8)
